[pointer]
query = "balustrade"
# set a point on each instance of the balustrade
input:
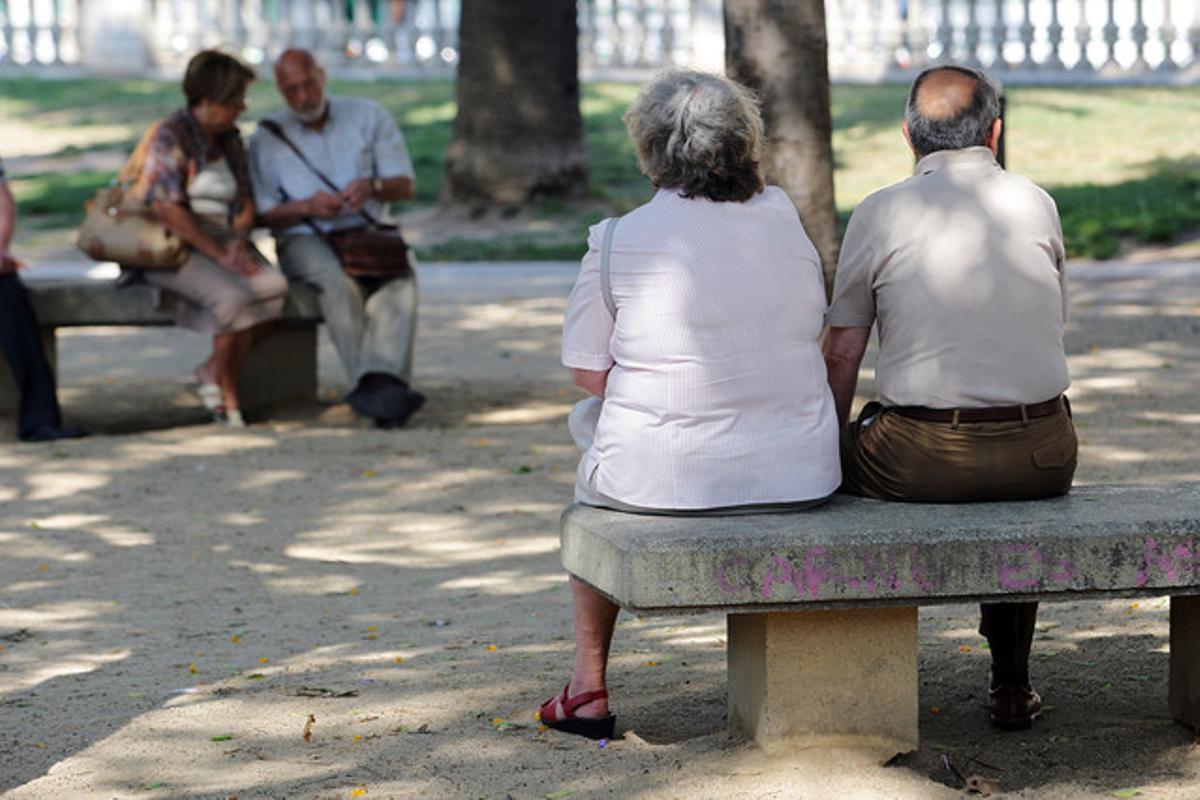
(1020, 40)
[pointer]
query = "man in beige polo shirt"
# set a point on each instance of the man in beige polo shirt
(961, 266)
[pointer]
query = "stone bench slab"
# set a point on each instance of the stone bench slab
(822, 605)
(855, 552)
(281, 369)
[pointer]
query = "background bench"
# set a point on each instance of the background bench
(822, 605)
(281, 369)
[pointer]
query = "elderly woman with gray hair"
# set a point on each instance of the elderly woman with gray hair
(695, 318)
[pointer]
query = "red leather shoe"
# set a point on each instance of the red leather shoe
(589, 727)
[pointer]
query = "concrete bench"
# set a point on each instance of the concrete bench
(822, 605)
(281, 369)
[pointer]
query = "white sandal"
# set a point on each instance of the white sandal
(233, 419)
(210, 395)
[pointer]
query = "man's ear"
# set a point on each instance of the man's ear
(993, 140)
(907, 137)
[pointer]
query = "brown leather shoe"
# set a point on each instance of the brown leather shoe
(1013, 708)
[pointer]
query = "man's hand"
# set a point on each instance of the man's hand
(237, 258)
(325, 205)
(357, 193)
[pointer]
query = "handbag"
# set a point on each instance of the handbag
(116, 229)
(374, 250)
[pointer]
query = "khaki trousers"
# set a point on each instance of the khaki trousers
(890, 457)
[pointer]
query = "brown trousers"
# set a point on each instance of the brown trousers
(890, 457)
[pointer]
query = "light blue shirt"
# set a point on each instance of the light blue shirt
(359, 140)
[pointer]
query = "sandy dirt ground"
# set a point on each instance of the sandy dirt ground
(181, 603)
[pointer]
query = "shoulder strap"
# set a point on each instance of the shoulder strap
(277, 130)
(605, 277)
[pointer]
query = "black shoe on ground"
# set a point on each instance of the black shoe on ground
(50, 433)
(415, 401)
(1013, 708)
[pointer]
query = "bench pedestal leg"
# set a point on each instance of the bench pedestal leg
(1183, 697)
(10, 398)
(825, 678)
(282, 367)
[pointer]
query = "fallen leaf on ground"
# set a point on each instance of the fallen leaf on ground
(1133, 792)
(224, 737)
(308, 726)
(264, 660)
(491, 648)
(359, 792)
(650, 664)
(235, 639)
(559, 795)
(368, 473)
(399, 660)
(192, 668)
(964, 648)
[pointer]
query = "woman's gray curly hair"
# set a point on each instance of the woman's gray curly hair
(699, 134)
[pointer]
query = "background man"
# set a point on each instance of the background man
(962, 267)
(38, 418)
(356, 144)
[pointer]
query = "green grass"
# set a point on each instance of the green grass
(1118, 161)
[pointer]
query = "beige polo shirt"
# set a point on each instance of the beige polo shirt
(962, 265)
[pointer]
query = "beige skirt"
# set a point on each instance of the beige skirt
(209, 298)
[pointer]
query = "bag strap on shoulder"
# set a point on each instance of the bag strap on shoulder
(605, 275)
(277, 130)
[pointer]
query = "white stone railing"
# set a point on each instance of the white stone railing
(1053, 41)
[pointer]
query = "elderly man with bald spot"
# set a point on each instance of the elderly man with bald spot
(961, 268)
(355, 143)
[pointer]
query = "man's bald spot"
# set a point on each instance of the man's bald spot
(944, 94)
(295, 58)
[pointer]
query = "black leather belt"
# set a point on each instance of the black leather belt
(965, 415)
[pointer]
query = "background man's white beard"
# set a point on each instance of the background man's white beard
(314, 115)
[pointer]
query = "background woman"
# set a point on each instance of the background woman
(191, 169)
(714, 390)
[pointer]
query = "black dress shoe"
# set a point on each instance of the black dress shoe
(415, 401)
(1013, 708)
(49, 433)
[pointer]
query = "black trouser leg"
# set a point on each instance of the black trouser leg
(21, 343)
(1009, 631)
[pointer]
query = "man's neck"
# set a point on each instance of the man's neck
(318, 124)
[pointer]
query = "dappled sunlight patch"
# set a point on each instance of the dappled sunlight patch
(237, 519)
(504, 582)
(67, 616)
(67, 521)
(52, 662)
(1170, 418)
(52, 485)
(1112, 454)
(513, 314)
(259, 567)
(35, 547)
(268, 478)
(314, 585)
(122, 537)
(529, 413)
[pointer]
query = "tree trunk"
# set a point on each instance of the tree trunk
(518, 133)
(779, 48)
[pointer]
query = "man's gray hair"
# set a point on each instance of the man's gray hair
(699, 134)
(970, 127)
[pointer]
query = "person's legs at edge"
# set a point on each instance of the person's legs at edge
(225, 346)
(22, 346)
(595, 618)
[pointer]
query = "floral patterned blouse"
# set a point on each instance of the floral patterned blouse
(173, 152)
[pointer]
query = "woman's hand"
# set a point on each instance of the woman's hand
(237, 258)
